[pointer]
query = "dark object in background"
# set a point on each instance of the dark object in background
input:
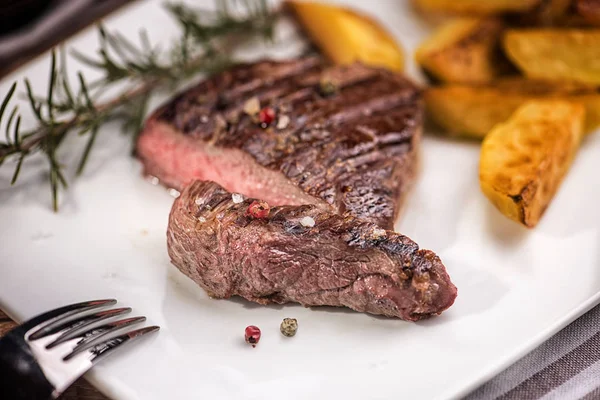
(16, 13)
(30, 27)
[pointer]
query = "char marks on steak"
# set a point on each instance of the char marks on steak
(353, 151)
(338, 261)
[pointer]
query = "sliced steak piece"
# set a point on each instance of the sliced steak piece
(344, 138)
(283, 257)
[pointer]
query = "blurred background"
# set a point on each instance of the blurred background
(29, 27)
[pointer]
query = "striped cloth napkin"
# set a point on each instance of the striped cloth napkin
(566, 367)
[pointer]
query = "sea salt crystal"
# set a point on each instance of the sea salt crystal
(201, 220)
(252, 106)
(307, 222)
(237, 198)
(283, 122)
(174, 192)
(199, 201)
(378, 233)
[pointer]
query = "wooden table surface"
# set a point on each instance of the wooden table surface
(81, 390)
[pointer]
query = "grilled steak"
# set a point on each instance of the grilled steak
(302, 254)
(342, 138)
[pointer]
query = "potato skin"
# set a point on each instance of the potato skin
(345, 36)
(472, 111)
(524, 160)
(556, 54)
(476, 7)
(466, 50)
(468, 111)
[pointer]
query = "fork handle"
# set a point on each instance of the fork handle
(20, 375)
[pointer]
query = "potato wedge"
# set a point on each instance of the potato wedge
(556, 54)
(524, 160)
(589, 10)
(476, 7)
(466, 50)
(345, 36)
(472, 111)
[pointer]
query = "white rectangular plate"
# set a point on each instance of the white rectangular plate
(516, 286)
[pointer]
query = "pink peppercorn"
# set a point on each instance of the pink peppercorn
(252, 335)
(258, 209)
(266, 116)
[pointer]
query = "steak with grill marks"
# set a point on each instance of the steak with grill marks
(302, 254)
(344, 138)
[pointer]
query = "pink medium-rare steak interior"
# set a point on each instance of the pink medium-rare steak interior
(346, 136)
(184, 160)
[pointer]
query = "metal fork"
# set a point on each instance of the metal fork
(44, 356)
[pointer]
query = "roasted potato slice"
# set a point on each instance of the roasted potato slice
(466, 50)
(589, 10)
(476, 7)
(469, 111)
(345, 36)
(556, 54)
(472, 111)
(523, 161)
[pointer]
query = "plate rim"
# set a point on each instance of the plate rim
(465, 389)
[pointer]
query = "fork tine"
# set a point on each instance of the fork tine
(86, 339)
(106, 347)
(71, 328)
(59, 314)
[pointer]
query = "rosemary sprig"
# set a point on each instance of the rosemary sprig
(204, 47)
